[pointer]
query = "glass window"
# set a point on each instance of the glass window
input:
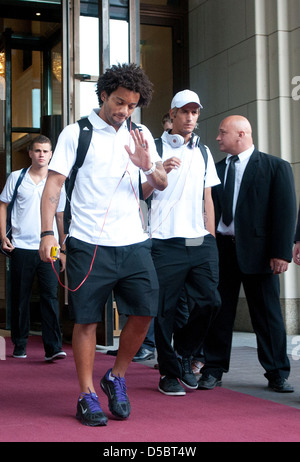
(156, 56)
(2, 99)
(119, 41)
(89, 45)
(56, 79)
(89, 56)
(89, 62)
(26, 88)
(162, 2)
(88, 98)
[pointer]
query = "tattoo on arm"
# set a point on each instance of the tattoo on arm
(54, 200)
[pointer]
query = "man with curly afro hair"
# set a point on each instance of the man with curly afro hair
(129, 76)
(107, 241)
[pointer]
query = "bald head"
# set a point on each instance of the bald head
(235, 135)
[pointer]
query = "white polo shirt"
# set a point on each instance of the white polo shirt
(104, 204)
(26, 212)
(178, 210)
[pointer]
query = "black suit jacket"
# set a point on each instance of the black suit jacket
(265, 215)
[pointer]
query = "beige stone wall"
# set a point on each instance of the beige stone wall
(245, 59)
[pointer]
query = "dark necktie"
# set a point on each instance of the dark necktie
(228, 191)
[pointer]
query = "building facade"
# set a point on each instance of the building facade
(244, 58)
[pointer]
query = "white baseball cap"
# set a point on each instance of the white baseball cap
(185, 97)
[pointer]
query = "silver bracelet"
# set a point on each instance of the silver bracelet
(152, 169)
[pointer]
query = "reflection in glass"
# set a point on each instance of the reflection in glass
(56, 79)
(26, 87)
(2, 99)
(2, 64)
(89, 56)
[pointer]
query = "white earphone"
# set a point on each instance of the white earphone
(177, 140)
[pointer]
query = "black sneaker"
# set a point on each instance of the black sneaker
(115, 389)
(89, 411)
(58, 355)
(170, 386)
(143, 354)
(208, 382)
(19, 352)
(188, 378)
(281, 385)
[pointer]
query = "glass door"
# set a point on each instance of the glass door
(26, 85)
(2, 99)
(89, 64)
(33, 93)
(156, 57)
(30, 97)
(163, 55)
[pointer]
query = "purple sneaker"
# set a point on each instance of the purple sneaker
(89, 411)
(115, 389)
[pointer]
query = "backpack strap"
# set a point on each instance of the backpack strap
(159, 146)
(85, 136)
(203, 150)
(11, 204)
(132, 126)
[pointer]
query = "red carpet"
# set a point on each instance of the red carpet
(38, 404)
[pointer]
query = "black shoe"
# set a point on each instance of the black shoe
(208, 382)
(115, 390)
(170, 386)
(112, 352)
(58, 355)
(143, 354)
(188, 378)
(19, 352)
(280, 385)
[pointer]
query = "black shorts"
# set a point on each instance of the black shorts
(127, 271)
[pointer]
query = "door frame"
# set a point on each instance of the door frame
(177, 19)
(9, 42)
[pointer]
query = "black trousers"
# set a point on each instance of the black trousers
(24, 265)
(263, 297)
(194, 267)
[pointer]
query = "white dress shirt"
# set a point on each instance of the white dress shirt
(240, 166)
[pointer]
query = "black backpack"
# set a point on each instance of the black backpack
(85, 136)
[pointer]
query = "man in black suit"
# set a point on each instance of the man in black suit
(255, 246)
